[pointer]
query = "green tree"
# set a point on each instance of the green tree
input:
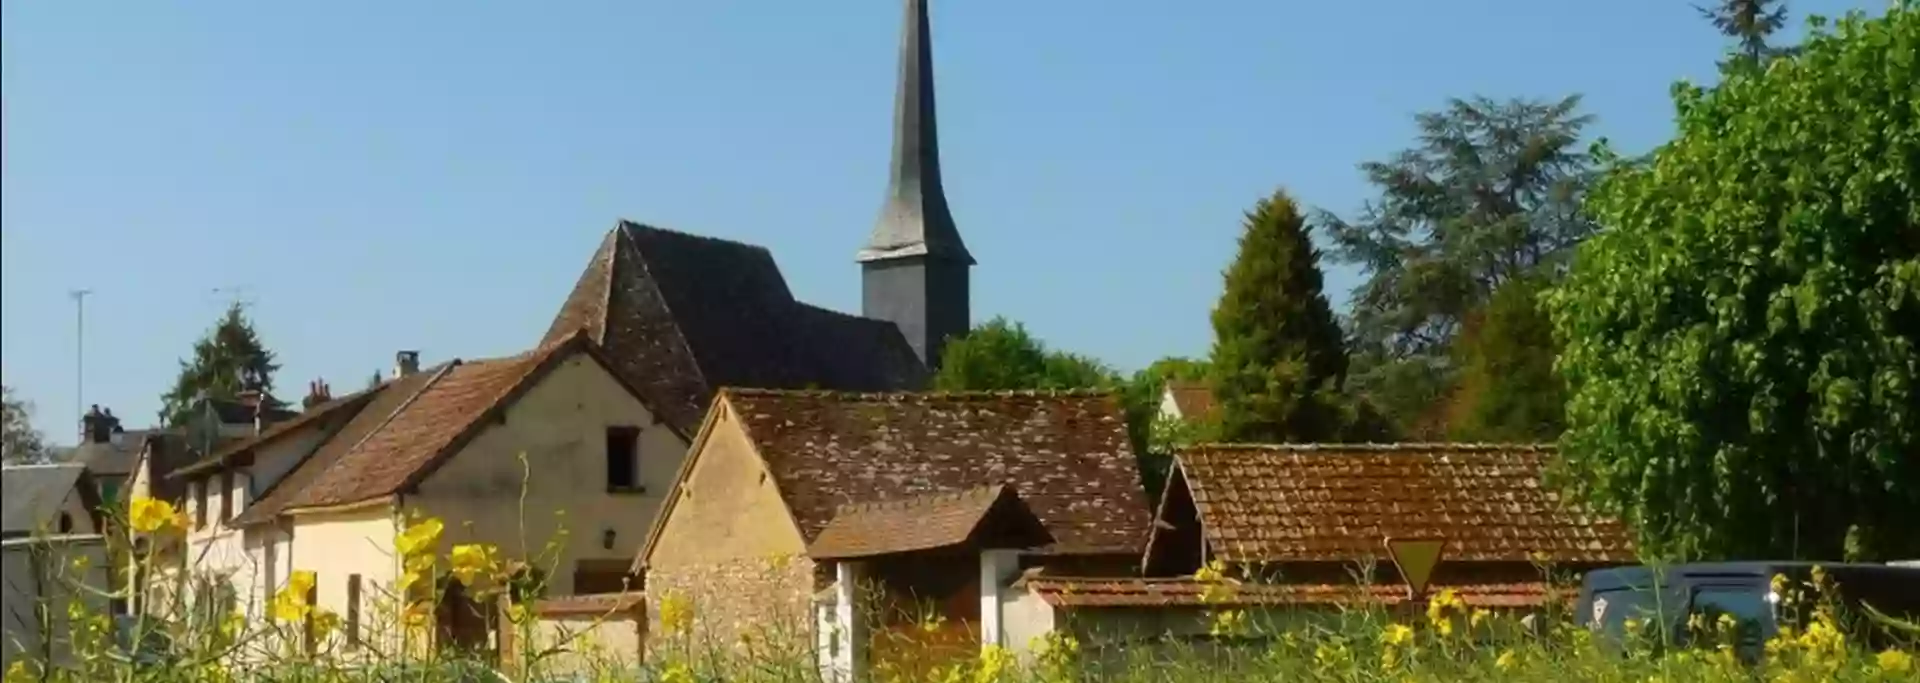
(1507, 389)
(1155, 436)
(1741, 342)
(1749, 23)
(1000, 355)
(1278, 358)
(228, 360)
(1491, 192)
(19, 441)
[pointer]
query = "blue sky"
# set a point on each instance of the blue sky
(433, 175)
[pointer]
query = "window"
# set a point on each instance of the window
(592, 577)
(623, 459)
(353, 610)
(200, 503)
(226, 495)
(66, 523)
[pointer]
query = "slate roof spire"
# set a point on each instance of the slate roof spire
(915, 221)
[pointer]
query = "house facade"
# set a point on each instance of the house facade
(792, 503)
(548, 456)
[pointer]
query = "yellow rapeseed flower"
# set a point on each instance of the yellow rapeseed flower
(420, 538)
(676, 615)
(473, 561)
(1894, 662)
(1505, 661)
(148, 515)
(1396, 634)
(1479, 618)
(17, 672)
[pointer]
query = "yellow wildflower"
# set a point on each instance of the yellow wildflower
(1396, 634)
(1479, 618)
(1505, 661)
(994, 660)
(148, 515)
(677, 673)
(290, 604)
(1894, 662)
(473, 561)
(676, 615)
(325, 621)
(420, 538)
(17, 672)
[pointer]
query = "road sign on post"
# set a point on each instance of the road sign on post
(1416, 558)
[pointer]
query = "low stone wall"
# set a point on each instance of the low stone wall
(766, 603)
(587, 635)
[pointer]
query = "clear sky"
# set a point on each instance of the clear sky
(375, 176)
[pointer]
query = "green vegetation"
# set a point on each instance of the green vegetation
(1740, 344)
(228, 360)
(19, 441)
(1278, 359)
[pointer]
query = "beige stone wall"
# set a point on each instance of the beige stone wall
(591, 645)
(487, 494)
(337, 545)
(729, 551)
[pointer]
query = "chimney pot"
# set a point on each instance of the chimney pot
(406, 363)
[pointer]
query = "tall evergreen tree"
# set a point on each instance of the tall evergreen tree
(1278, 358)
(228, 360)
(1492, 192)
(1749, 23)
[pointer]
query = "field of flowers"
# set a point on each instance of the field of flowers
(298, 642)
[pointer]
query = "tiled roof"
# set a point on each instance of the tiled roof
(590, 605)
(408, 429)
(682, 315)
(987, 516)
(1105, 592)
(34, 494)
(344, 406)
(1194, 399)
(1340, 503)
(1066, 452)
(113, 458)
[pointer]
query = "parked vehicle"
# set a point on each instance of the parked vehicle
(1663, 598)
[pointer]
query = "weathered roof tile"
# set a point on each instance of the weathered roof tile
(984, 517)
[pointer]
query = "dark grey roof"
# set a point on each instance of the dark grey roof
(33, 494)
(112, 458)
(682, 315)
(915, 219)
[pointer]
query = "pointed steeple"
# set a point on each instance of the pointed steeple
(915, 220)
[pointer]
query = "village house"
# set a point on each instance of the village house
(1297, 528)
(935, 500)
(54, 557)
(55, 498)
(1186, 401)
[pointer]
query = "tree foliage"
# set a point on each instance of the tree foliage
(1278, 357)
(228, 360)
(1749, 23)
(1490, 193)
(1000, 355)
(1740, 344)
(19, 441)
(1507, 389)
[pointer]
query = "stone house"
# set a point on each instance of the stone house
(792, 503)
(57, 498)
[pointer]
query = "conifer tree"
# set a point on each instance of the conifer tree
(1750, 23)
(1278, 356)
(228, 360)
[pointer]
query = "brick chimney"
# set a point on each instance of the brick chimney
(405, 363)
(317, 393)
(99, 426)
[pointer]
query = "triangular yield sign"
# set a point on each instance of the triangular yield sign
(1416, 558)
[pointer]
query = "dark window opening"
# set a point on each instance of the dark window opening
(623, 459)
(353, 610)
(311, 633)
(66, 523)
(226, 495)
(200, 503)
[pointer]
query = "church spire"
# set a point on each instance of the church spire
(913, 272)
(915, 221)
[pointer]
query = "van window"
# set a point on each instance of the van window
(1746, 604)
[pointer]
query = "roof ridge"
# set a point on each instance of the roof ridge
(445, 369)
(1388, 447)
(677, 328)
(629, 223)
(877, 396)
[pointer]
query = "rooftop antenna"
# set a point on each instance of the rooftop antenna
(79, 297)
(235, 294)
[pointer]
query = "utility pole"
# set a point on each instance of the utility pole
(79, 351)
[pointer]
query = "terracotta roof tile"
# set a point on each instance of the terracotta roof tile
(1103, 592)
(343, 406)
(386, 400)
(682, 315)
(1339, 503)
(1194, 399)
(1066, 452)
(987, 516)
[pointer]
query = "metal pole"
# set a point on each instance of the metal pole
(79, 353)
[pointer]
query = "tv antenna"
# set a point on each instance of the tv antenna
(234, 294)
(79, 297)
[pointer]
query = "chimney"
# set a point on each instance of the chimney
(98, 426)
(405, 363)
(317, 393)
